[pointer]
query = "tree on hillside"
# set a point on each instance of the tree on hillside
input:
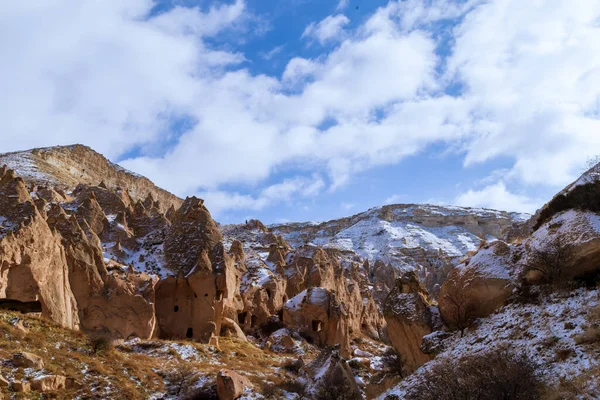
(461, 311)
(552, 260)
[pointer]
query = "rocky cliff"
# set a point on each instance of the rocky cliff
(64, 167)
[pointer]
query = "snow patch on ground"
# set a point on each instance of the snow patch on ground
(539, 330)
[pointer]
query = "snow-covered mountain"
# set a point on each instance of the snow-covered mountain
(405, 234)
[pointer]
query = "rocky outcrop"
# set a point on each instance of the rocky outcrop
(190, 307)
(320, 317)
(27, 360)
(33, 265)
(329, 376)
(480, 286)
(231, 385)
(64, 167)
(576, 231)
(49, 383)
(409, 317)
(193, 231)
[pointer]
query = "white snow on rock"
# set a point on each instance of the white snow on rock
(382, 233)
(578, 226)
(294, 302)
(539, 330)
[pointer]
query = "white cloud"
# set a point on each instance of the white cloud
(108, 75)
(284, 192)
(533, 69)
(395, 199)
(342, 4)
(328, 30)
(498, 197)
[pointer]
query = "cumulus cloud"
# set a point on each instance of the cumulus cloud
(342, 4)
(328, 30)
(518, 80)
(285, 191)
(498, 197)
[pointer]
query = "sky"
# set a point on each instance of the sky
(308, 110)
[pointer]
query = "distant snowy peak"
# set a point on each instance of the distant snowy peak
(401, 234)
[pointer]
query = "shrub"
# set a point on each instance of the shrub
(100, 344)
(491, 375)
(181, 379)
(334, 388)
(552, 260)
(460, 313)
(293, 366)
(584, 197)
(393, 362)
(294, 386)
(589, 336)
(563, 353)
(208, 392)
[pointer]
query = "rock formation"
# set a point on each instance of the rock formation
(409, 317)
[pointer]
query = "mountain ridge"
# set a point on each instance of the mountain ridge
(65, 167)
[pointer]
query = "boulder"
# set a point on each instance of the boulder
(577, 230)
(49, 383)
(281, 341)
(330, 375)
(3, 382)
(230, 328)
(478, 287)
(409, 317)
(231, 385)
(27, 360)
(21, 386)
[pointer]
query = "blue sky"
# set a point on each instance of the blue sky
(312, 109)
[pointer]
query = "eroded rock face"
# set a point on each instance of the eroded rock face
(192, 231)
(480, 286)
(579, 231)
(32, 262)
(329, 375)
(189, 307)
(320, 317)
(409, 317)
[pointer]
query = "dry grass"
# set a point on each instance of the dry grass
(578, 387)
(128, 371)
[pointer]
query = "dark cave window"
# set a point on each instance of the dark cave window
(242, 317)
(317, 325)
(189, 333)
(254, 321)
(176, 309)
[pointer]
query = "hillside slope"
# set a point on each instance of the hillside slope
(393, 233)
(64, 167)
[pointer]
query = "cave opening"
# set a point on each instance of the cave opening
(317, 325)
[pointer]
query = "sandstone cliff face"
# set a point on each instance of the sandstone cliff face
(397, 238)
(64, 167)
(323, 294)
(33, 265)
(409, 318)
